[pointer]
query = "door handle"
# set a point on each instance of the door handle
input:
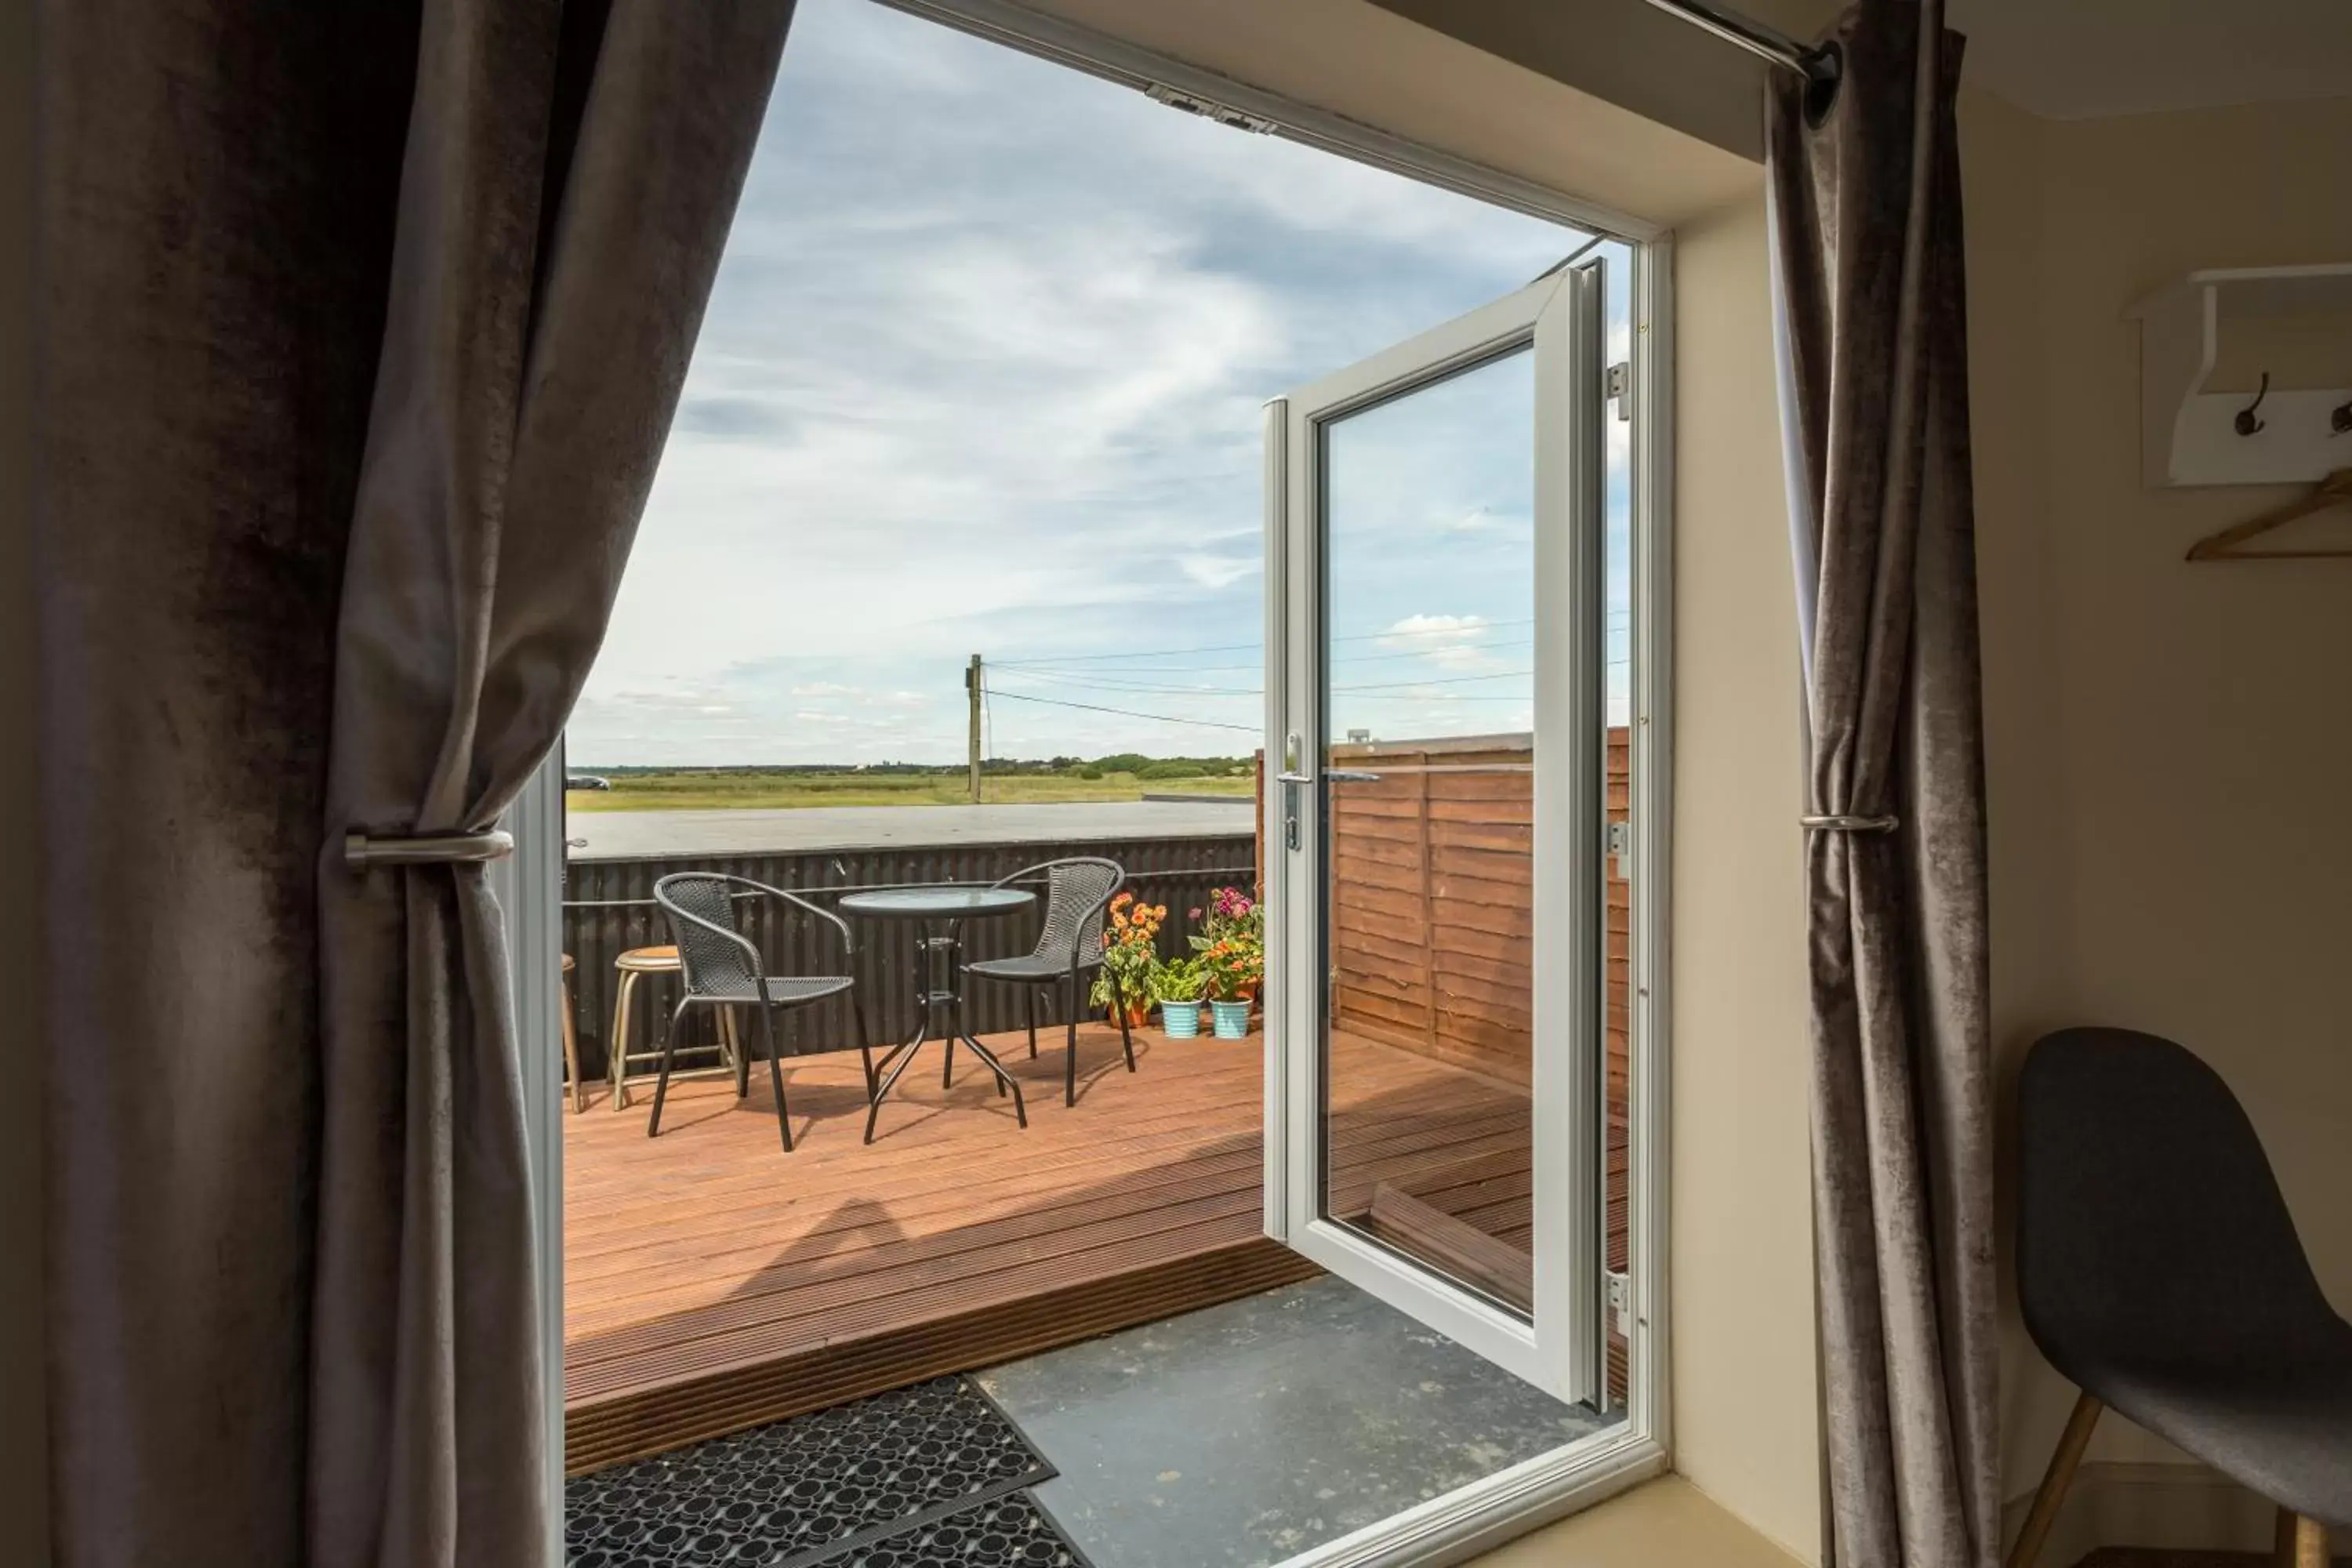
(1291, 782)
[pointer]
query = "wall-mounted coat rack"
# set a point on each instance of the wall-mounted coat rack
(2281, 435)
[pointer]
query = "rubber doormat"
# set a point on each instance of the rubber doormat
(884, 1481)
(1013, 1532)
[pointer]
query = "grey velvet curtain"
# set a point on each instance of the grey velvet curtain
(1866, 206)
(361, 328)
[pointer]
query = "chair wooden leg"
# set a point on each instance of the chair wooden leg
(617, 1048)
(2302, 1543)
(2054, 1481)
(731, 1043)
(572, 1048)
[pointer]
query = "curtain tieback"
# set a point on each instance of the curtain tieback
(1850, 824)
(363, 850)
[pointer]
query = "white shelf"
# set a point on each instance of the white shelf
(2188, 435)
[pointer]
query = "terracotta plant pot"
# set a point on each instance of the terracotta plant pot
(1137, 1011)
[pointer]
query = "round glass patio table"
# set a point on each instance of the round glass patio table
(940, 912)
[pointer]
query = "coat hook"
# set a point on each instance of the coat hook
(2247, 422)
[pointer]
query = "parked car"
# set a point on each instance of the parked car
(586, 781)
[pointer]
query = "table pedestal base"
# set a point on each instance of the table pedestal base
(939, 991)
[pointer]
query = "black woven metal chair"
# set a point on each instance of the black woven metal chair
(722, 968)
(1078, 890)
(2160, 1272)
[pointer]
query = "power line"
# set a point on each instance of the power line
(1259, 691)
(1479, 625)
(1048, 666)
(1147, 653)
(1442, 680)
(1064, 663)
(1097, 685)
(1131, 713)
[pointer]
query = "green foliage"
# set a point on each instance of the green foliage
(1230, 944)
(1178, 979)
(1130, 951)
(1123, 763)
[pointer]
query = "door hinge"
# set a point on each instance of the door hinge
(1621, 388)
(1208, 109)
(1621, 1305)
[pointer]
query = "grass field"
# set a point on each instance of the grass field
(708, 789)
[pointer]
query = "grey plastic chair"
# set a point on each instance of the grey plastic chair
(721, 968)
(2160, 1272)
(1078, 889)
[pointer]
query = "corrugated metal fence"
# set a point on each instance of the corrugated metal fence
(608, 908)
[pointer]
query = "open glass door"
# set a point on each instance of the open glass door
(1436, 830)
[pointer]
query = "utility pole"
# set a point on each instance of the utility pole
(971, 691)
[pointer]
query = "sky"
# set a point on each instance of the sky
(983, 371)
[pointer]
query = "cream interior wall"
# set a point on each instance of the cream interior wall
(1746, 1429)
(2171, 763)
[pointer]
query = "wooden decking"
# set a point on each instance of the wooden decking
(712, 1281)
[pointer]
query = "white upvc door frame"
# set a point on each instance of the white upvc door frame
(1489, 1512)
(1559, 318)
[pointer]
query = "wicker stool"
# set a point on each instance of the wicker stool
(633, 965)
(572, 1044)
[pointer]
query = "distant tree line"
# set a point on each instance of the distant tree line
(1134, 762)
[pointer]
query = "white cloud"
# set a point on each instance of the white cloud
(1456, 644)
(983, 371)
(1218, 571)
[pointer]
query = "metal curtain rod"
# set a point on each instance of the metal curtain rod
(1817, 64)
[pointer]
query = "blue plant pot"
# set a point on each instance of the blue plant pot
(1181, 1020)
(1231, 1019)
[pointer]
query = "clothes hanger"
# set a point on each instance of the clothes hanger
(2335, 489)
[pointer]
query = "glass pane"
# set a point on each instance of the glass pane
(1429, 605)
(1617, 798)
